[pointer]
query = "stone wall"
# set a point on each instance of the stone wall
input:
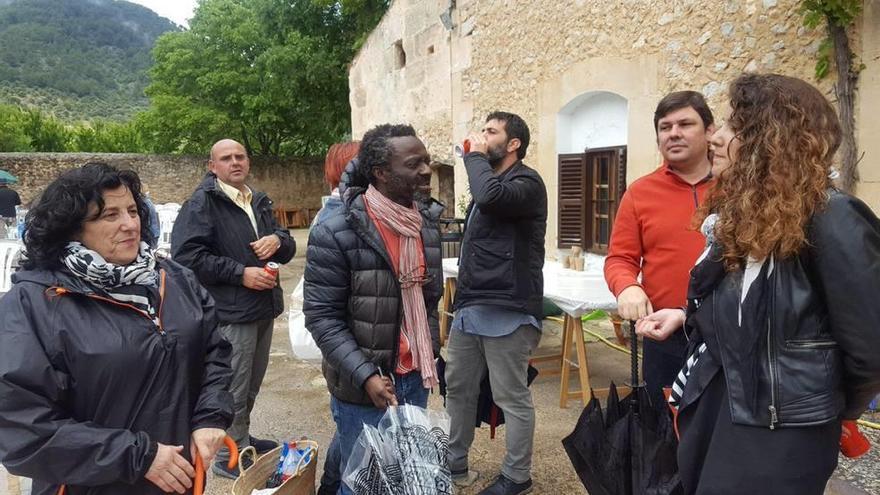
(292, 183)
(534, 57)
(385, 89)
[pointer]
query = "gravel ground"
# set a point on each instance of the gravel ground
(294, 402)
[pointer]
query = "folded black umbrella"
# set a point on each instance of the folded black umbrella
(630, 450)
(487, 411)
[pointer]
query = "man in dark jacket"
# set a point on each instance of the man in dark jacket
(8, 200)
(226, 233)
(372, 284)
(498, 302)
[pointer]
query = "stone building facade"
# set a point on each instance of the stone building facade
(291, 183)
(586, 75)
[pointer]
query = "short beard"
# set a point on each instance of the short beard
(496, 155)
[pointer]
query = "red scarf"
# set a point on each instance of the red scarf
(407, 223)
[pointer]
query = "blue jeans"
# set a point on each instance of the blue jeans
(350, 419)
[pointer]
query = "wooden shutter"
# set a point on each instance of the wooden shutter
(601, 198)
(572, 205)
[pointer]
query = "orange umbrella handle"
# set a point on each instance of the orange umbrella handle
(199, 481)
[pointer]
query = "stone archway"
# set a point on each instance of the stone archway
(595, 119)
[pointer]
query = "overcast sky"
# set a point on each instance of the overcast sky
(176, 10)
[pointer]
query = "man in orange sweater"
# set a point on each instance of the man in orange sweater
(653, 236)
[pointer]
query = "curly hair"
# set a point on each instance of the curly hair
(61, 210)
(337, 158)
(376, 151)
(779, 178)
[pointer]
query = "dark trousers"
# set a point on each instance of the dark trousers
(717, 457)
(250, 358)
(661, 362)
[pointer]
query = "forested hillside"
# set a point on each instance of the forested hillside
(77, 59)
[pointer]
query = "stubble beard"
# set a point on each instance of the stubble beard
(496, 155)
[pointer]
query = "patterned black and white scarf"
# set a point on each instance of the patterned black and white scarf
(116, 281)
(704, 264)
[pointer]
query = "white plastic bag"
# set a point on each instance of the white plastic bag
(301, 341)
(406, 454)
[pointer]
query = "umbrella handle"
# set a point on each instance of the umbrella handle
(199, 480)
(634, 354)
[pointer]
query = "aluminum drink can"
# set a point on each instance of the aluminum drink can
(272, 268)
(462, 149)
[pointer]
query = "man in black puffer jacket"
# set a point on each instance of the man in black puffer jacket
(372, 283)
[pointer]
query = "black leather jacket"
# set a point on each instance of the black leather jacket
(818, 357)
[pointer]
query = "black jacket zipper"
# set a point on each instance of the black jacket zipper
(771, 364)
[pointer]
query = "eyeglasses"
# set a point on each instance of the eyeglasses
(417, 276)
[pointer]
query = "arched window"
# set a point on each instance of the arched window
(591, 149)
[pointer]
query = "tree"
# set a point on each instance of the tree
(272, 74)
(838, 16)
(12, 134)
(46, 133)
(361, 16)
(107, 137)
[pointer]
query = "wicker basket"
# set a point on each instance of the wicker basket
(255, 477)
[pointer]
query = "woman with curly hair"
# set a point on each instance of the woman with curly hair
(113, 376)
(782, 314)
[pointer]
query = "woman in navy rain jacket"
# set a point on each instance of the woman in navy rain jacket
(112, 374)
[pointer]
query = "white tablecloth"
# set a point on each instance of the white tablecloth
(576, 293)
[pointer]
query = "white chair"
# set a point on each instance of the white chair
(167, 215)
(8, 251)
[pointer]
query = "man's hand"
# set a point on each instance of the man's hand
(661, 324)
(257, 279)
(478, 143)
(381, 391)
(206, 442)
(633, 303)
(266, 247)
(170, 471)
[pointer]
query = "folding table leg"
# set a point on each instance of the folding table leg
(617, 322)
(583, 364)
(565, 365)
(573, 333)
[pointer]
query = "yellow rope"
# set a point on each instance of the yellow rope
(869, 424)
(599, 337)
